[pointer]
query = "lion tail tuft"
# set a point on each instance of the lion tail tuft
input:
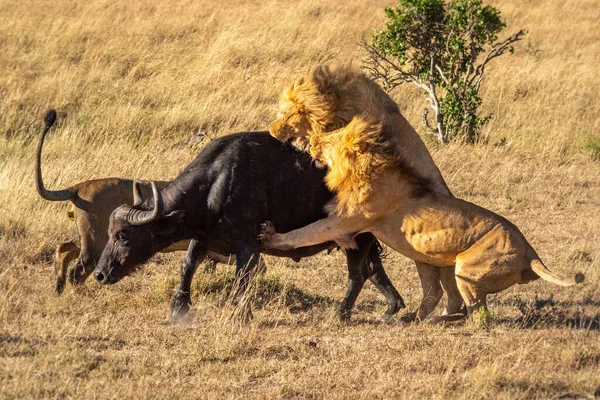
(539, 268)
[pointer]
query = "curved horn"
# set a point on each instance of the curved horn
(52, 195)
(142, 217)
(138, 197)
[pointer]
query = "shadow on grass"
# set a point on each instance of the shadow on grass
(18, 346)
(265, 291)
(547, 312)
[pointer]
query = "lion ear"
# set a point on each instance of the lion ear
(298, 83)
(357, 146)
(360, 147)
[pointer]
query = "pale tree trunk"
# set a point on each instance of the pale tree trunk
(435, 105)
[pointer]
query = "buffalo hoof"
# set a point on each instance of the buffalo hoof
(393, 309)
(409, 317)
(59, 286)
(180, 305)
(243, 313)
(344, 315)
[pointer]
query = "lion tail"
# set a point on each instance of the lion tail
(539, 268)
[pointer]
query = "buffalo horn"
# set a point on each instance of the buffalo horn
(142, 217)
(138, 198)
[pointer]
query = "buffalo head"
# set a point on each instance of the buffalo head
(136, 233)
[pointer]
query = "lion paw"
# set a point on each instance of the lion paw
(267, 233)
(409, 317)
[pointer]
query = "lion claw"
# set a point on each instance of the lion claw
(409, 317)
(267, 230)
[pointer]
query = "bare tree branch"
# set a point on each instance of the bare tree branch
(442, 75)
(495, 51)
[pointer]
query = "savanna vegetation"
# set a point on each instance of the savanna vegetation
(131, 79)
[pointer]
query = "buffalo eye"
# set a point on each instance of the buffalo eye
(121, 236)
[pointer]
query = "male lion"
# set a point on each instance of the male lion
(328, 99)
(380, 189)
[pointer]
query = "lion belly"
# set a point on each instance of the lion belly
(433, 230)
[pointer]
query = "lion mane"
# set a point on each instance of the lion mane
(355, 154)
(353, 124)
(330, 97)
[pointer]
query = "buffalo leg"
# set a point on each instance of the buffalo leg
(180, 304)
(65, 253)
(368, 254)
(247, 257)
(379, 278)
(357, 275)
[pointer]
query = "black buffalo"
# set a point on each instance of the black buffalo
(219, 201)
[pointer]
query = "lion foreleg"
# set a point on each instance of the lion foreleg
(65, 253)
(455, 300)
(333, 228)
(432, 292)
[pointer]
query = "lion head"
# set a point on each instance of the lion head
(346, 121)
(326, 100)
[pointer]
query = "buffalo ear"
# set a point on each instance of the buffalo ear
(168, 224)
(175, 217)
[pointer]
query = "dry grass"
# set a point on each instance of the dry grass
(132, 78)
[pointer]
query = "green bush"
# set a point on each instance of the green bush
(443, 48)
(592, 147)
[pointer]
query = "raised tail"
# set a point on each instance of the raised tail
(52, 195)
(539, 268)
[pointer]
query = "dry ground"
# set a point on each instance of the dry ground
(132, 78)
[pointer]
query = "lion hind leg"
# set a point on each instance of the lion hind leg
(473, 296)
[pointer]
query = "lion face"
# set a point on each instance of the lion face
(290, 123)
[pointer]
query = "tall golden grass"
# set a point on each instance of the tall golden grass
(130, 79)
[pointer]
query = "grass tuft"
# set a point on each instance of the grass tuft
(592, 147)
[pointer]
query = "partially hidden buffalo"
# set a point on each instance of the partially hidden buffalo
(91, 205)
(218, 203)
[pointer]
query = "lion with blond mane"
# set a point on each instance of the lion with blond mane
(386, 183)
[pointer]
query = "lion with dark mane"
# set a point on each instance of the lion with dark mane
(386, 183)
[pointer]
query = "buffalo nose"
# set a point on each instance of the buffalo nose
(100, 277)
